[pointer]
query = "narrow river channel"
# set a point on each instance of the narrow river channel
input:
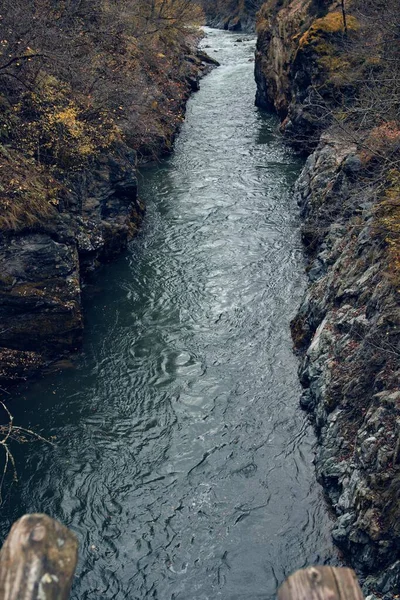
(182, 459)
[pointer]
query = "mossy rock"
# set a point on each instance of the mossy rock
(327, 26)
(322, 53)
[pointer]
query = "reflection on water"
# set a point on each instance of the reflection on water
(182, 460)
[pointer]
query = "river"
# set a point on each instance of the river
(182, 459)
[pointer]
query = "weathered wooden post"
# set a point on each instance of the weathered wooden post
(321, 583)
(37, 560)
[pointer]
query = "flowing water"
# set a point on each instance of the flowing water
(182, 459)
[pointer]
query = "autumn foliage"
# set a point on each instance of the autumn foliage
(341, 71)
(77, 76)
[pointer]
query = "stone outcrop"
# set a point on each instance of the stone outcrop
(275, 52)
(232, 15)
(300, 68)
(347, 328)
(41, 270)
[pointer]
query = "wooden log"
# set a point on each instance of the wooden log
(37, 560)
(321, 583)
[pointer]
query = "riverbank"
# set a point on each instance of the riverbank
(69, 186)
(313, 72)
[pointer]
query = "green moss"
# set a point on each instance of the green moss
(335, 63)
(322, 28)
(324, 48)
(324, 39)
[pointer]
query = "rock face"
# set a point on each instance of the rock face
(232, 15)
(275, 53)
(347, 328)
(300, 69)
(42, 267)
(41, 271)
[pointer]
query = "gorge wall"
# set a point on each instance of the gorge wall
(43, 266)
(312, 72)
(232, 15)
(55, 231)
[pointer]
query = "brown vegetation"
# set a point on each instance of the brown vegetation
(372, 116)
(78, 76)
(341, 70)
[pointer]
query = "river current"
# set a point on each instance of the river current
(182, 459)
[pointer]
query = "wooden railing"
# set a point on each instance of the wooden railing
(38, 561)
(321, 583)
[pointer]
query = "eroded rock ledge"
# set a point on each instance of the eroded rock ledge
(347, 328)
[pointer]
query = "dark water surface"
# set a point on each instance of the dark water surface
(183, 461)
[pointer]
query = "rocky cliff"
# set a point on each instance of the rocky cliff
(43, 262)
(347, 328)
(232, 15)
(42, 267)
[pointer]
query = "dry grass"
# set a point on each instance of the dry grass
(28, 197)
(387, 223)
(332, 23)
